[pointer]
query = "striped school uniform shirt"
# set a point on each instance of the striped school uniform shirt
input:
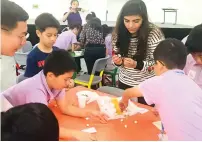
(133, 77)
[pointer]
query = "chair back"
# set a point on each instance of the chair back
(27, 47)
(100, 64)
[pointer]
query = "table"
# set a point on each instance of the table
(114, 130)
(170, 10)
(78, 59)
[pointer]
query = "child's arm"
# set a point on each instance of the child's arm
(66, 15)
(75, 47)
(128, 94)
(68, 106)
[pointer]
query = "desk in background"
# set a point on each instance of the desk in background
(173, 31)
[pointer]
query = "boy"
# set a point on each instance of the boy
(29, 122)
(177, 98)
(193, 66)
(68, 40)
(46, 29)
(49, 84)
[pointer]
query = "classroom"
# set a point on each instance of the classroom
(109, 70)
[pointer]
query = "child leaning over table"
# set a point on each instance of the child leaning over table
(50, 84)
(193, 66)
(177, 98)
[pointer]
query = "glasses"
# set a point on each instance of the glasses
(24, 37)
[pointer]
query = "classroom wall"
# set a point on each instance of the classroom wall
(189, 13)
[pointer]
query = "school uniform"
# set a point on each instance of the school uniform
(65, 40)
(32, 90)
(193, 70)
(178, 100)
(35, 61)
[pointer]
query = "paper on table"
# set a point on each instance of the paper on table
(91, 96)
(90, 130)
(158, 124)
(107, 107)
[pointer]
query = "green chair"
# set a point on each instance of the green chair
(113, 74)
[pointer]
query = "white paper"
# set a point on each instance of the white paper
(91, 96)
(158, 124)
(89, 130)
(106, 106)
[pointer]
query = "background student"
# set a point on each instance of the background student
(46, 29)
(193, 66)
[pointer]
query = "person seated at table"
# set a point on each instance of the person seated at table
(49, 84)
(91, 38)
(29, 122)
(193, 66)
(68, 40)
(176, 97)
(73, 16)
(46, 29)
(108, 44)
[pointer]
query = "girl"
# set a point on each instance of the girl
(134, 39)
(73, 16)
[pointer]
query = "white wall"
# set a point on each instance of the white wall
(189, 13)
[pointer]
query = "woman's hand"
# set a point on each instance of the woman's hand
(130, 63)
(117, 60)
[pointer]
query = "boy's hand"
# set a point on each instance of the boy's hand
(97, 115)
(123, 104)
(70, 84)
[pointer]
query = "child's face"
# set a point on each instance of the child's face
(75, 4)
(48, 37)
(158, 68)
(60, 82)
(75, 31)
(197, 57)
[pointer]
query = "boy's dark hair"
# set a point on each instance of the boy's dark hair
(11, 13)
(194, 40)
(59, 62)
(77, 26)
(74, 1)
(172, 53)
(46, 20)
(29, 122)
